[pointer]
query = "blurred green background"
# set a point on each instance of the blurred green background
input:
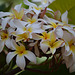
(62, 5)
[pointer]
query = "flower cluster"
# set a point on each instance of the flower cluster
(24, 29)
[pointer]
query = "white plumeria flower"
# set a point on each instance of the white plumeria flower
(52, 43)
(21, 53)
(34, 7)
(68, 51)
(18, 13)
(5, 38)
(44, 36)
(44, 2)
(34, 28)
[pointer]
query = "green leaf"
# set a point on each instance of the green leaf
(71, 15)
(64, 5)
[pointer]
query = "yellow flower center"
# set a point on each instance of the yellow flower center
(72, 46)
(4, 36)
(23, 36)
(30, 29)
(32, 20)
(20, 50)
(17, 15)
(45, 36)
(38, 8)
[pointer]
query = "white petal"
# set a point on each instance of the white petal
(36, 36)
(18, 7)
(9, 57)
(38, 31)
(2, 14)
(4, 22)
(43, 47)
(72, 68)
(59, 32)
(64, 17)
(29, 3)
(8, 43)
(11, 23)
(10, 30)
(20, 61)
(1, 45)
(30, 56)
(19, 24)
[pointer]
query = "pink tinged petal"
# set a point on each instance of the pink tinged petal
(36, 50)
(59, 32)
(30, 56)
(67, 36)
(72, 68)
(2, 14)
(9, 57)
(44, 47)
(70, 30)
(4, 22)
(64, 17)
(1, 45)
(68, 61)
(18, 7)
(20, 61)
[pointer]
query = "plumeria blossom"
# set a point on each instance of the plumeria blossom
(18, 13)
(34, 7)
(5, 39)
(68, 51)
(30, 32)
(21, 52)
(44, 2)
(52, 43)
(44, 36)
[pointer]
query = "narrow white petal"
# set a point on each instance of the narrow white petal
(36, 50)
(9, 57)
(30, 56)
(64, 17)
(59, 32)
(18, 7)
(20, 61)
(43, 47)
(8, 43)
(11, 23)
(29, 3)
(1, 45)
(2, 14)
(36, 36)
(4, 22)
